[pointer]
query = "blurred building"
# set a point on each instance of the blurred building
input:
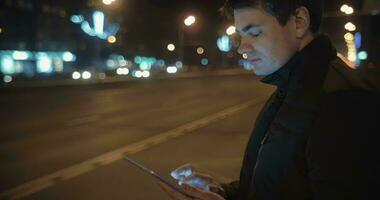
(44, 27)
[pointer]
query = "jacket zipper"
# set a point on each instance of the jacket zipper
(258, 155)
(261, 147)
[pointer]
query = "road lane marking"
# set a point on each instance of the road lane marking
(76, 170)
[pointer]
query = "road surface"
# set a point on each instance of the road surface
(67, 142)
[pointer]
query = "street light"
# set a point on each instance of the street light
(171, 47)
(347, 9)
(349, 37)
(7, 79)
(86, 75)
(76, 75)
(200, 50)
(111, 39)
(350, 26)
(231, 30)
(108, 2)
(98, 19)
(344, 8)
(190, 20)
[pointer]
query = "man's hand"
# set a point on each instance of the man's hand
(195, 193)
(187, 174)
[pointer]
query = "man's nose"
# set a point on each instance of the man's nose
(245, 47)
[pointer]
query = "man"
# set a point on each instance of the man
(315, 137)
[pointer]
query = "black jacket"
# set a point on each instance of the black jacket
(315, 138)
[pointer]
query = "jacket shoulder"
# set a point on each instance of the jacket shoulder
(340, 77)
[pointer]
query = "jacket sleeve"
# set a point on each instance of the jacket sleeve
(231, 190)
(340, 152)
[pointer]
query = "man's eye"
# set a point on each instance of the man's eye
(255, 34)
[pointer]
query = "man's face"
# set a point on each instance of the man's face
(268, 44)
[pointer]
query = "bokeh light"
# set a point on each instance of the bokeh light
(75, 75)
(204, 61)
(171, 47)
(86, 75)
(200, 50)
(7, 79)
(231, 30)
(350, 26)
(111, 39)
(190, 20)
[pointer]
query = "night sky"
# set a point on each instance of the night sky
(146, 26)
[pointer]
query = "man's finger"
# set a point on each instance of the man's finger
(173, 194)
(215, 188)
(200, 194)
(183, 171)
(198, 180)
(202, 176)
(193, 191)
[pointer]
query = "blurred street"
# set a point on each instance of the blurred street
(66, 142)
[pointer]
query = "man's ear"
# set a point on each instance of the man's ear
(302, 21)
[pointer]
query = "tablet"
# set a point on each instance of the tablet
(154, 174)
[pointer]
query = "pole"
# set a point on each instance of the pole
(181, 41)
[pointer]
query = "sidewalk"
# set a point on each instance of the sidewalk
(116, 79)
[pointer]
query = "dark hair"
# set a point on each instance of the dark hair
(281, 9)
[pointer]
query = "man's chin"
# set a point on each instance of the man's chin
(261, 71)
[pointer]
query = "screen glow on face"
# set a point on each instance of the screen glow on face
(267, 44)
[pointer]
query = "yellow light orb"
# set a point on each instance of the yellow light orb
(190, 20)
(171, 47)
(349, 37)
(349, 11)
(200, 50)
(344, 8)
(350, 26)
(245, 56)
(231, 30)
(108, 2)
(351, 57)
(111, 39)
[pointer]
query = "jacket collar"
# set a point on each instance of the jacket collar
(303, 59)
